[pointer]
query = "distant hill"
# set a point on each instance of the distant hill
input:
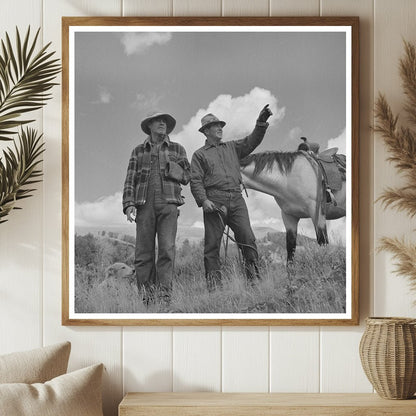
(261, 232)
(193, 234)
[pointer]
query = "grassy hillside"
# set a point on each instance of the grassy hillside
(315, 283)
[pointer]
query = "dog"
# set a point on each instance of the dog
(120, 271)
(118, 274)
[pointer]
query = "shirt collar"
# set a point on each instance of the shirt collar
(208, 145)
(148, 142)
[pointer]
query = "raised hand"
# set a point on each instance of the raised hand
(265, 113)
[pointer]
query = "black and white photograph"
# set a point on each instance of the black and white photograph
(210, 172)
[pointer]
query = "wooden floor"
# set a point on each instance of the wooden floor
(262, 404)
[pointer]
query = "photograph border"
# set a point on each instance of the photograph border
(352, 22)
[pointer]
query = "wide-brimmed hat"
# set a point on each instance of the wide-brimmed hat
(209, 119)
(170, 122)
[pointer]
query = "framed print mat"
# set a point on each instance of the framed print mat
(210, 171)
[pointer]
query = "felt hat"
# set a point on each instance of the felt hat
(170, 122)
(209, 119)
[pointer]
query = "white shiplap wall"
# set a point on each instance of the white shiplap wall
(232, 359)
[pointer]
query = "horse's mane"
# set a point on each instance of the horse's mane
(266, 160)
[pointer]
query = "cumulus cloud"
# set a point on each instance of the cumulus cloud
(105, 211)
(104, 96)
(136, 43)
(240, 114)
(339, 142)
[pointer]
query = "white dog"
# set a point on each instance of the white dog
(120, 271)
(118, 274)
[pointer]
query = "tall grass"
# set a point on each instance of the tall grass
(315, 283)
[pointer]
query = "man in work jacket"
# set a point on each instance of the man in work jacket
(151, 196)
(216, 186)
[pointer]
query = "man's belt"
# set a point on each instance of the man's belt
(233, 190)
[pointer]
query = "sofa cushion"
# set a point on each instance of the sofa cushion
(73, 394)
(35, 366)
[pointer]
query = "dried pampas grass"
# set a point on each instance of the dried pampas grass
(401, 143)
(405, 255)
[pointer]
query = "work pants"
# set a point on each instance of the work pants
(161, 220)
(238, 220)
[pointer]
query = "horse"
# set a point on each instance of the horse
(295, 180)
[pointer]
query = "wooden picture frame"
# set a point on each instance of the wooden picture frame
(305, 68)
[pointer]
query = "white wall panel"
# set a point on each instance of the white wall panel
(197, 7)
(147, 359)
(20, 13)
(341, 367)
(245, 359)
(394, 21)
(21, 237)
(21, 276)
(147, 7)
(197, 359)
(294, 360)
(392, 291)
(294, 7)
(90, 345)
(245, 8)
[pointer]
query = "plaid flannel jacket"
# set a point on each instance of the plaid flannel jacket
(138, 173)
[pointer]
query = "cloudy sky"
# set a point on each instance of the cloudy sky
(122, 77)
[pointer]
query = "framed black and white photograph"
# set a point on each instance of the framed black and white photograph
(210, 171)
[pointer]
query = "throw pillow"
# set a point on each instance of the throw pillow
(35, 366)
(73, 394)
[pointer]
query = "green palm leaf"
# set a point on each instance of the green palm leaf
(19, 170)
(25, 79)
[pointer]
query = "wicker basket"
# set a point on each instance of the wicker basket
(388, 356)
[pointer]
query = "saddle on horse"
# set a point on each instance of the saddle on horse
(331, 164)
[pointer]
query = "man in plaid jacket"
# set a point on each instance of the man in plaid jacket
(151, 196)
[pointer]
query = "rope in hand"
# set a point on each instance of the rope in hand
(222, 211)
